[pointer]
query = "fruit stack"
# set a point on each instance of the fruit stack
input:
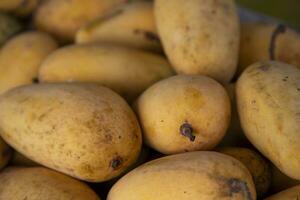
(146, 100)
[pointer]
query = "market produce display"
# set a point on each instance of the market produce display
(147, 100)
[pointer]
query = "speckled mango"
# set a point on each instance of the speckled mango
(189, 176)
(84, 130)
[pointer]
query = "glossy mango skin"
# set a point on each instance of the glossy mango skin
(84, 130)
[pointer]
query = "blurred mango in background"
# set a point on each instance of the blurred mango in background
(286, 10)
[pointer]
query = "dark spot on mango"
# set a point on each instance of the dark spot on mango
(147, 34)
(264, 68)
(35, 80)
(116, 162)
(186, 130)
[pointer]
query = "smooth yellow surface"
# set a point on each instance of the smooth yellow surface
(127, 71)
(268, 96)
(189, 176)
(256, 164)
(131, 25)
(63, 18)
(84, 130)
(41, 184)
(200, 36)
(289, 194)
(20, 58)
(256, 41)
(197, 100)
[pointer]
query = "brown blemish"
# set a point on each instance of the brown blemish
(236, 186)
(186, 130)
(285, 78)
(116, 163)
(35, 80)
(280, 29)
(264, 68)
(147, 34)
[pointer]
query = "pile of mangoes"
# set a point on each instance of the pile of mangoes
(146, 100)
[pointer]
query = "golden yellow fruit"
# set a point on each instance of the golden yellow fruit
(200, 36)
(132, 25)
(41, 184)
(184, 113)
(189, 176)
(268, 96)
(20, 59)
(64, 18)
(84, 130)
(125, 70)
(267, 41)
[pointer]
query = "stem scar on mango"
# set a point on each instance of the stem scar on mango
(187, 130)
(116, 162)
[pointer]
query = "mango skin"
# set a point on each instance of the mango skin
(200, 36)
(268, 97)
(41, 183)
(64, 18)
(21, 56)
(189, 176)
(256, 164)
(197, 104)
(288, 194)
(5, 153)
(91, 131)
(125, 70)
(131, 25)
(8, 27)
(21, 8)
(256, 44)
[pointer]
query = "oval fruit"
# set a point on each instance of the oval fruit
(21, 57)
(125, 70)
(268, 96)
(200, 36)
(195, 175)
(184, 113)
(84, 130)
(41, 183)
